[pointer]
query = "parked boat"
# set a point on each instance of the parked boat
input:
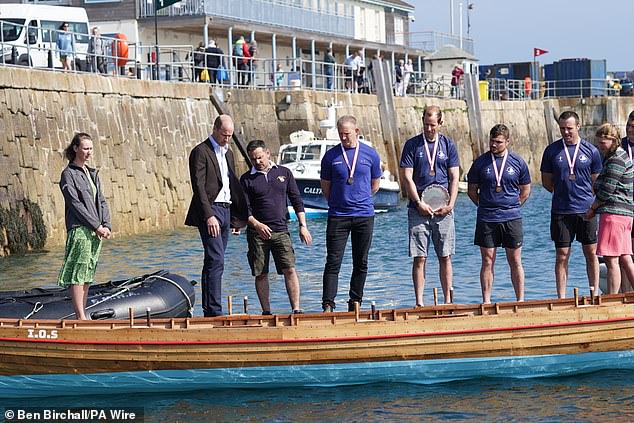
(420, 345)
(303, 157)
(164, 293)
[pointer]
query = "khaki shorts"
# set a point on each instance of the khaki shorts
(259, 251)
(441, 230)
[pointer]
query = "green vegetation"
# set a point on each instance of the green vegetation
(21, 228)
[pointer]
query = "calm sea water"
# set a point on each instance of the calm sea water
(595, 397)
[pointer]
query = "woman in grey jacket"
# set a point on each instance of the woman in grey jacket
(87, 222)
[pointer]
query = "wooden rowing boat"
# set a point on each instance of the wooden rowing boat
(422, 345)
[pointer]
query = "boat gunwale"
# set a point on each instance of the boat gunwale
(345, 320)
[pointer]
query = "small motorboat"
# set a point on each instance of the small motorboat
(163, 293)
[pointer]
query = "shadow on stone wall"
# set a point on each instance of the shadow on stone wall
(22, 228)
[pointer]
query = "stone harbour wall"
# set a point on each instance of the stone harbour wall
(143, 132)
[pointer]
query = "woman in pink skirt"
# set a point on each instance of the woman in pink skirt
(613, 191)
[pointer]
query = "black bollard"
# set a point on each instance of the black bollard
(14, 55)
(373, 310)
(168, 72)
(50, 59)
(246, 305)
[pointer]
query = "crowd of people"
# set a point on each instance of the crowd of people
(584, 181)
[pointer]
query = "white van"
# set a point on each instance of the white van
(28, 32)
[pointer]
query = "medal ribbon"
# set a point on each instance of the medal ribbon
(354, 159)
(431, 157)
(498, 173)
(571, 163)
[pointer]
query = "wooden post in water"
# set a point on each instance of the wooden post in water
(435, 296)
(230, 305)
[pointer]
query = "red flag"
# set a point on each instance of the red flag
(539, 52)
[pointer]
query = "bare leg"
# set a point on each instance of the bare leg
(614, 274)
(446, 276)
(627, 272)
(514, 257)
(292, 287)
(262, 289)
(486, 273)
(418, 276)
(79, 295)
(561, 270)
(592, 265)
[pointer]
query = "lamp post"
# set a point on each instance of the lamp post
(469, 9)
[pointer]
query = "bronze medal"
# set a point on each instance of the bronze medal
(572, 177)
(498, 189)
(350, 180)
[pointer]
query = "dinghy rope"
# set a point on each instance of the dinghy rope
(189, 303)
(37, 307)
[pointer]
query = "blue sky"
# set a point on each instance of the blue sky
(507, 30)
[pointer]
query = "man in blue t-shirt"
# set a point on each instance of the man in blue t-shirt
(428, 159)
(628, 145)
(350, 174)
(569, 167)
(499, 183)
(266, 187)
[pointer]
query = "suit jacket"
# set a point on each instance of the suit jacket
(204, 171)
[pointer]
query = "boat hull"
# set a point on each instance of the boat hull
(319, 375)
(310, 190)
(422, 345)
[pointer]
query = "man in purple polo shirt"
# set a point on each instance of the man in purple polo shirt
(628, 145)
(569, 167)
(266, 187)
(350, 174)
(499, 183)
(430, 158)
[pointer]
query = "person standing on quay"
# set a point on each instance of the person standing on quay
(627, 143)
(569, 167)
(499, 184)
(65, 46)
(430, 158)
(350, 174)
(266, 187)
(217, 205)
(87, 221)
(614, 191)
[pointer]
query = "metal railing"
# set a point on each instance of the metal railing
(268, 12)
(517, 90)
(432, 41)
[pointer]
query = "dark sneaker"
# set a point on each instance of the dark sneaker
(298, 311)
(266, 313)
(327, 308)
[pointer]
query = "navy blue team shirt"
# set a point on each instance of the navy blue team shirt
(571, 197)
(414, 156)
(351, 199)
(266, 196)
(504, 206)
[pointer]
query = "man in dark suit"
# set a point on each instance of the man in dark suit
(217, 206)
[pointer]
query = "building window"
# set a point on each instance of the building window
(399, 35)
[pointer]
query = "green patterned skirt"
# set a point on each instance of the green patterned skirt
(80, 260)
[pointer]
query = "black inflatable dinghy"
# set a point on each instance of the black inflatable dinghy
(165, 293)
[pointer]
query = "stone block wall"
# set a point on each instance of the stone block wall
(144, 130)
